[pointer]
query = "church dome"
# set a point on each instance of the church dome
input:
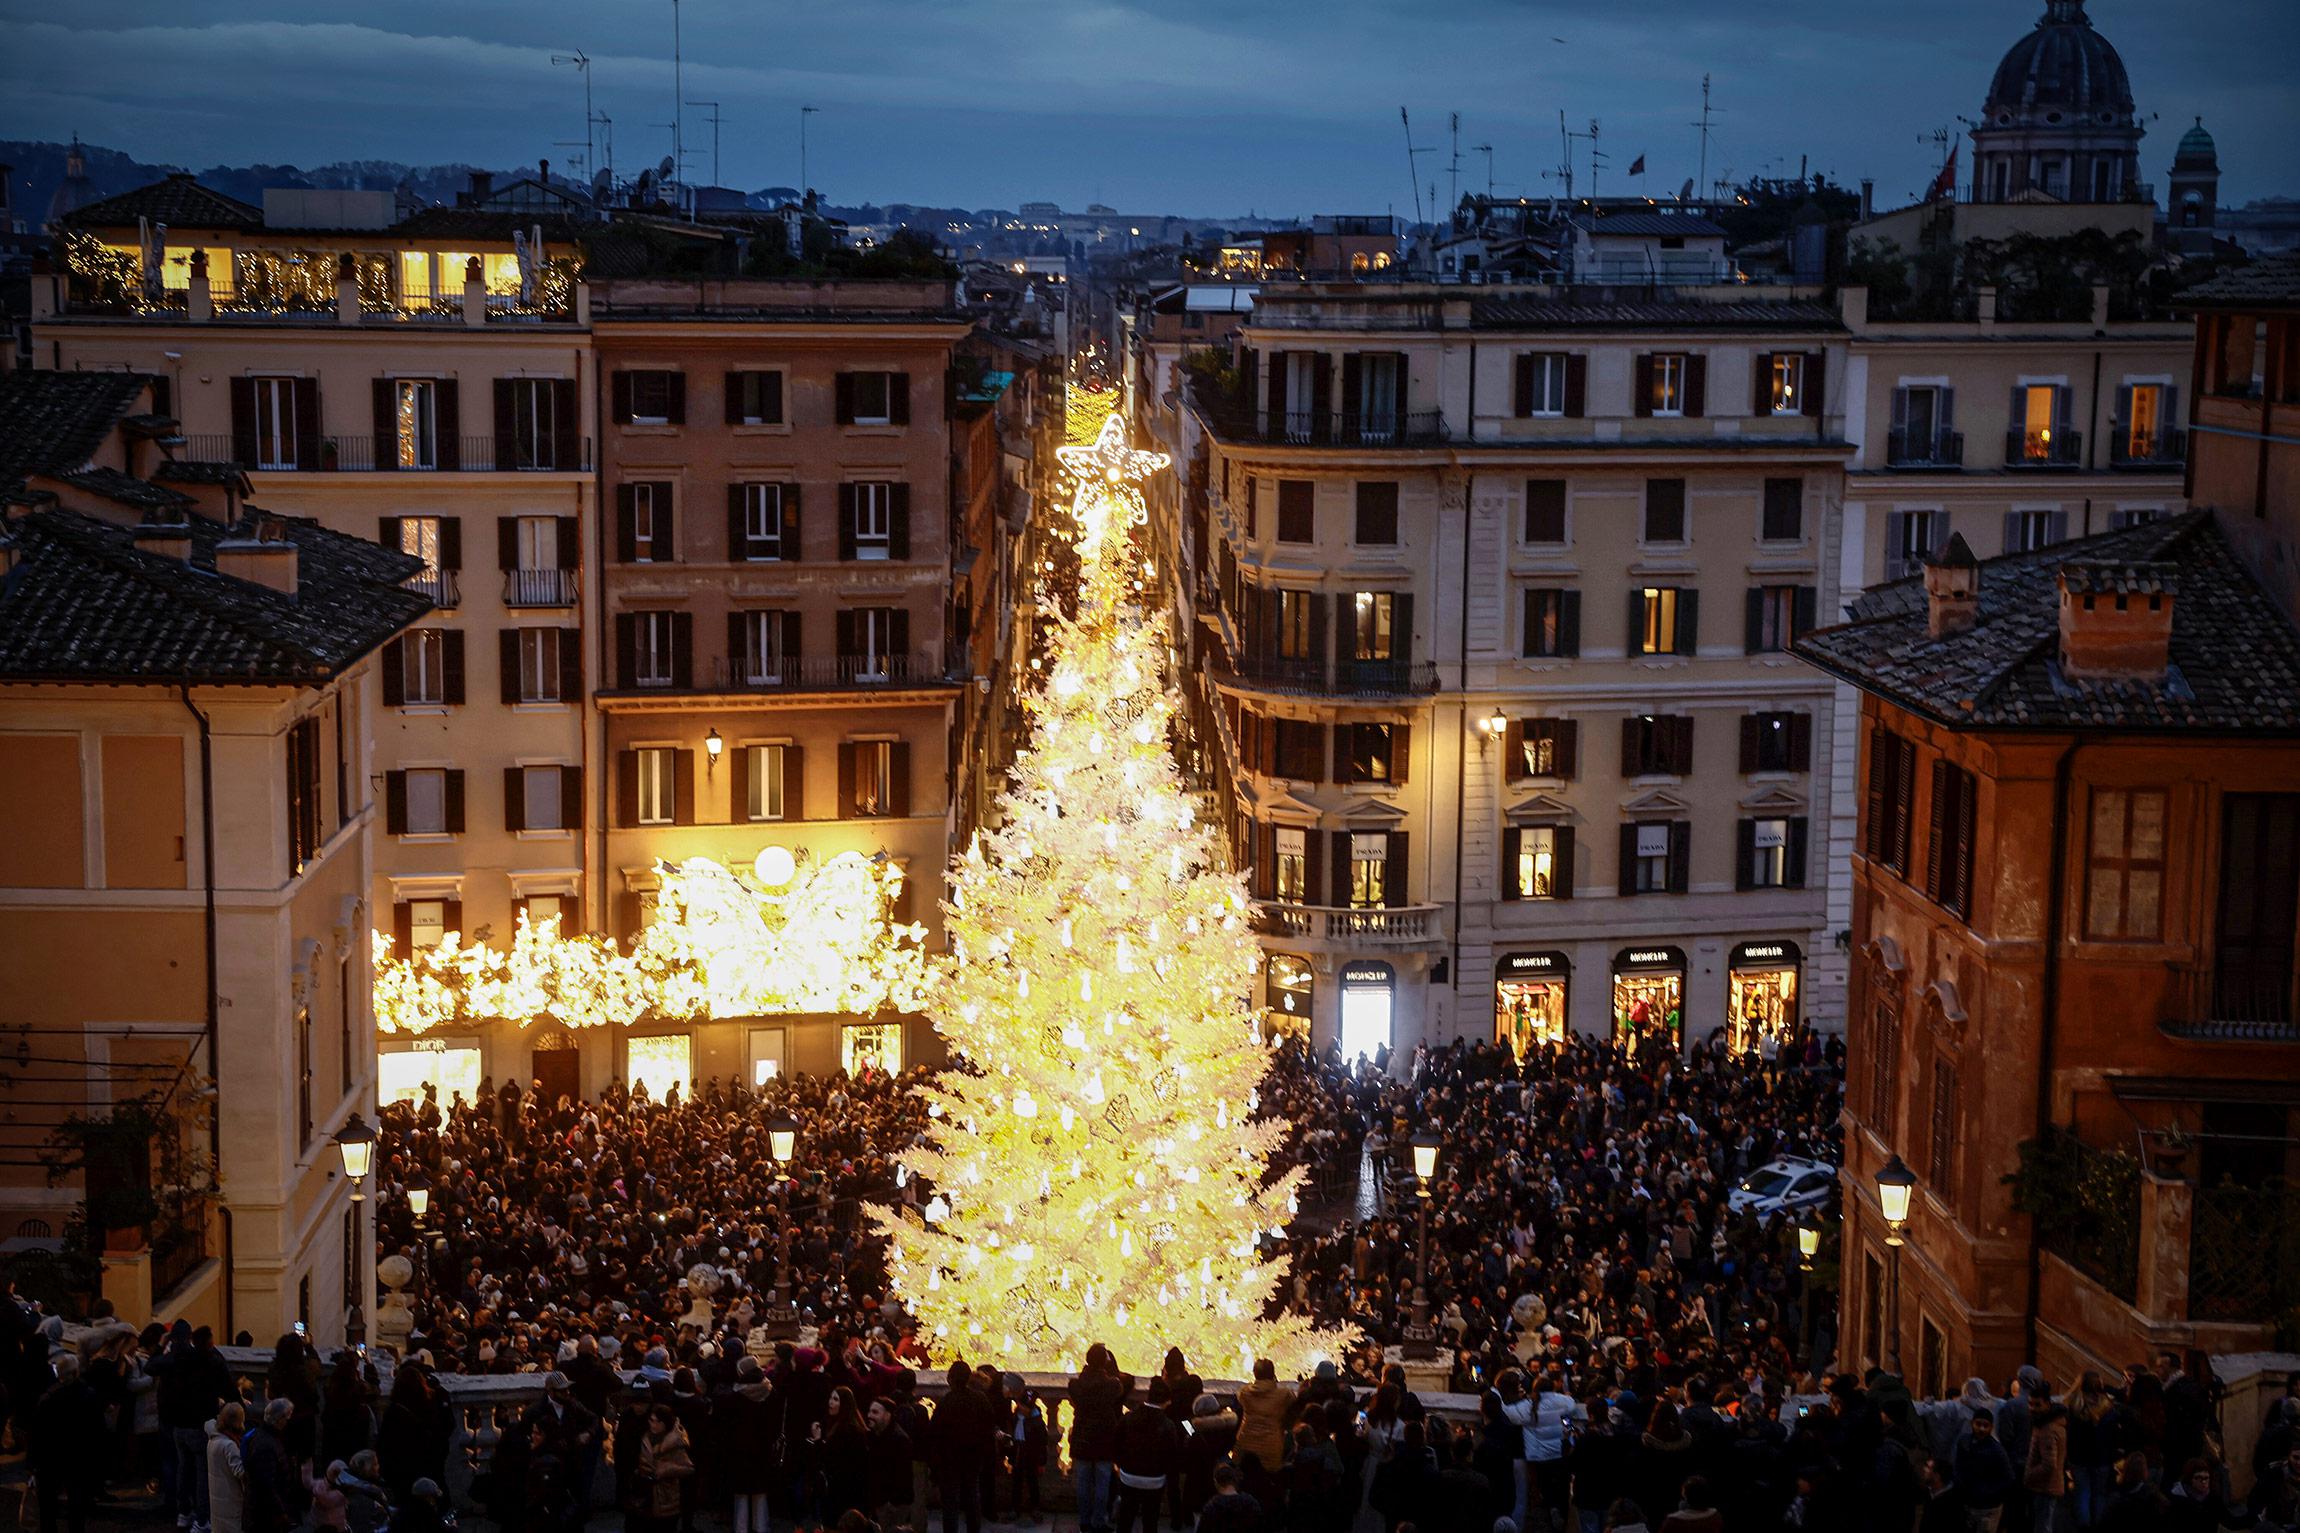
(2196, 151)
(2062, 74)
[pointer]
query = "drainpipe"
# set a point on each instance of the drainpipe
(2056, 916)
(208, 900)
(1461, 732)
(2092, 442)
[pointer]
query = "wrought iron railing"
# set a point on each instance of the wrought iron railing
(2043, 449)
(2146, 449)
(333, 454)
(1338, 678)
(819, 672)
(440, 585)
(1326, 428)
(2244, 1252)
(539, 588)
(1925, 449)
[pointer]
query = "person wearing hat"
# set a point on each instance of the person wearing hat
(1149, 1453)
(745, 1441)
(570, 1435)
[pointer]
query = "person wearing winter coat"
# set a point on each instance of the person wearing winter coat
(1027, 1439)
(964, 1439)
(1265, 1407)
(891, 1456)
(1229, 1510)
(1985, 1476)
(1149, 1453)
(424, 1511)
(366, 1508)
(664, 1465)
(1206, 1442)
(1097, 1396)
(844, 1455)
(68, 1442)
(225, 1479)
(275, 1493)
(1182, 1390)
(2046, 1475)
(744, 1420)
(328, 1502)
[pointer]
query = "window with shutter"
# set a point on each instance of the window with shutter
(1551, 618)
(1784, 515)
(1541, 384)
(2124, 865)
(1665, 511)
(1377, 522)
(655, 396)
(1297, 516)
(1545, 511)
(1941, 1146)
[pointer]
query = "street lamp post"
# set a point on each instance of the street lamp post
(355, 1143)
(782, 1144)
(1418, 1332)
(1808, 1246)
(418, 1189)
(1895, 1182)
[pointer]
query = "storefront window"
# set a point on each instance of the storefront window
(767, 1048)
(1761, 994)
(1649, 993)
(1292, 988)
(1368, 996)
(1529, 1001)
(451, 1070)
(871, 1046)
(661, 1063)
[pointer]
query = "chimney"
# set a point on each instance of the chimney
(543, 171)
(1952, 590)
(482, 186)
(2116, 621)
(1985, 306)
(1868, 199)
(170, 540)
(259, 561)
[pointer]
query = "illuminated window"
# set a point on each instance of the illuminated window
(767, 1046)
(1785, 384)
(1668, 395)
(1535, 875)
(1657, 621)
(426, 922)
(663, 1063)
(1369, 870)
(658, 792)
(1371, 616)
(415, 422)
(2124, 866)
(874, 778)
(1294, 624)
(871, 1046)
(1290, 877)
(763, 786)
(401, 1074)
(275, 421)
(1293, 986)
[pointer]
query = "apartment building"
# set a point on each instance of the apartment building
(189, 696)
(1492, 594)
(786, 480)
(2245, 422)
(423, 382)
(2073, 1006)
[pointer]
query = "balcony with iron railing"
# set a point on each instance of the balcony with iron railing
(1381, 926)
(440, 585)
(1324, 428)
(328, 454)
(828, 673)
(1334, 678)
(539, 588)
(1925, 449)
(2128, 448)
(2236, 1004)
(2056, 448)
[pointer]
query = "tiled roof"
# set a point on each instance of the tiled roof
(199, 471)
(2272, 280)
(2235, 656)
(83, 603)
(1691, 225)
(1658, 314)
(180, 202)
(52, 423)
(127, 489)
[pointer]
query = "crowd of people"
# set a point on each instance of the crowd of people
(713, 1337)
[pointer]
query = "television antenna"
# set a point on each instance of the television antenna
(582, 63)
(1413, 171)
(1487, 151)
(1453, 168)
(678, 96)
(714, 106)
(1702, 180)
(805, 112)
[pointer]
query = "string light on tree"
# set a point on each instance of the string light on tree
(1099, 1171)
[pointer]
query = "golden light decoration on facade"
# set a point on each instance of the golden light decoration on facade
(827, 942)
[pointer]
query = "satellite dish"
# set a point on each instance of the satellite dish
(600, 183)
(664, 170)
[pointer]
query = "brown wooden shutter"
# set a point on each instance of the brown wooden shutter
(307, 437)
(453, 647)
(898, 772)
(1641, 384)
(627, 523)
(666, 544)
(506, 425)
(1522, 401)
(620, 391)
(1395, 866)
(737, 621)
(794, 783)
(1680, 856)
(395, 803)
(789, 548)
(1696, 384)
(394, 668)
(386, 423)
(507, 666)
(451, 542)
(571, 665)
(570, 542)
(1568, 747)
(1633, 756)
(845, 807)
(1937, 860)
(1688, 620)
(565, 437)
(243, 394)
(1569, 624)
(1512, 841)
(1513, 751)
(1576, 384)
(844, 632)
(1873, 832)
(678, 412)
(792, 632)
(1761, 385)
(738, 756)
(733, 395)
(514, 798)
(738, 545)
(1401, 753)
(1807, 611)
(455, 802)
(447, 422)
(898, 522)
(1339, 873)
(626, 787)
(387, 531)
(1262, 868)
(1313, 865)
(507, 542)
(843, 399)
(1816, 381)
(898, 632)
(683, 787)
(1800, 742)
(1753, 620)
(1681, 744)
(1276, 407)
(1744, 854)
(1793, 861)
(402, 930)
(626, 649)
(898, 398)
(1968, 811)
(1561, 879)
(1752, 732)
(571, 797)
(1321, 398)
(682, 651)
(847, 497)
(1628, 879)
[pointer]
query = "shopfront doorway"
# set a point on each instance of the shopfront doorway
(1649, 994)
(1529, 1000)
(558, 1067)
(1761, 994)
(1369, 998)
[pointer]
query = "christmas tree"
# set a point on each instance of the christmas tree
(1098, 1169)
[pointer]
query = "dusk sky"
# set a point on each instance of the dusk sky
(1205, 107)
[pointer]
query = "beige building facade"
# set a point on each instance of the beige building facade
(1492, 595)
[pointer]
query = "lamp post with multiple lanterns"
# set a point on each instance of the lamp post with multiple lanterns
(1895, 1182)
(355, 1143)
